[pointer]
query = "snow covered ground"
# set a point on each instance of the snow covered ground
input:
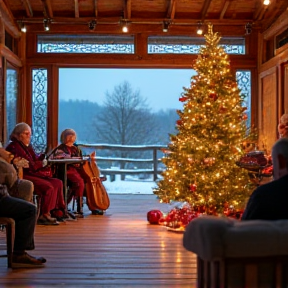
(130, 186)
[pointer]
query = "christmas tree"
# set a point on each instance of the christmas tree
(201, 158)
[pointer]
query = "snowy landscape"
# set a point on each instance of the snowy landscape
(131, 185)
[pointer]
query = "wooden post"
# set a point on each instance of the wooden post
(155, 164)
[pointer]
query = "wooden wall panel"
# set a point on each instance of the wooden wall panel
(285, 94)
(268, 119)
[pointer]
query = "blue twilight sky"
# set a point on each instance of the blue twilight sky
(161, 87)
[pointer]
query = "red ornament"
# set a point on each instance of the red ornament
(222, 109)
(245, 117)
(179, 122)
(154, 216)
(183, 99)
(193, 187)
(213, 96)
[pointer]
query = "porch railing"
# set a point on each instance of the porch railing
(155, 170)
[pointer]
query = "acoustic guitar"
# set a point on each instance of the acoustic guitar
(96, 194)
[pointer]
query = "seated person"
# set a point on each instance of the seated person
(24, 215)
(50, 190)
(19, 188)
(283, 126)
(270, 201)
(76, 176)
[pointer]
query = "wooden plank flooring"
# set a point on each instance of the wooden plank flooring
(118, 249)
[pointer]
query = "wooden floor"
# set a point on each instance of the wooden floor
(118, 249)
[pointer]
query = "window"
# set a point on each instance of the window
(190, 45)
(39, 109)
(11, 99)
(243, 78)
(85, 44)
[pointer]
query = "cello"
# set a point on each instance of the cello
(96, 194)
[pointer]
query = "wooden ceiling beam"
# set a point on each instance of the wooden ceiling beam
(76, 7)
(171, 10)
(8, 20)
(224, 9)
(96, 8)
(48, 12)
(136, 21)
(205, 9)
(127, 9)
(28, 8)
(268, 22)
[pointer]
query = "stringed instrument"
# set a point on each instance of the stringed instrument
(96, 194)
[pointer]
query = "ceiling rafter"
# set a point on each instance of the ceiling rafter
(76, 7)
(48, 12)
(273, 15)
(96, 8)
(205, 9)
(171, 10)
(28, 8)
(8, 19)
(127, 9)
(224, 8)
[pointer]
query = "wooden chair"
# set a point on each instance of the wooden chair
(36, 198)
(9, 225)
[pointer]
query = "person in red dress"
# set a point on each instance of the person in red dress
(45, 186)
(76, 176)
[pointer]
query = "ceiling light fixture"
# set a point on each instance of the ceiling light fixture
(266, 2)
(46, 23)
(166, 25)
(92, 25)
(248, 28)
(124, 25)
(23, 27)
(200, 28)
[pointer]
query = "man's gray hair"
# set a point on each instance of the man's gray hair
(280, 147)
(18, 130)
(65, 134)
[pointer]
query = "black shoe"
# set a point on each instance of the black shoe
(72, 215)
(27, 261)
(97, 212)
(47, 221)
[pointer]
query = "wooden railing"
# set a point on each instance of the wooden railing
(154, 160)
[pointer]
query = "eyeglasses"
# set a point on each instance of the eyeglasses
(26, 133)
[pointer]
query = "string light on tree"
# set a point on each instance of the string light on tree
(211, 128)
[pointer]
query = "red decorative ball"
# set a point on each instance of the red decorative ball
(213, 96)
(154, 216)
(183, 99)
(193, 187)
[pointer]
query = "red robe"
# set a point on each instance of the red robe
(49, 189)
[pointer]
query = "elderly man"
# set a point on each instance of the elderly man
(270, 201)
(23, 212)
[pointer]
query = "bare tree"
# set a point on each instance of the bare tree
(126, 118)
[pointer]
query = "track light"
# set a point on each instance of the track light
(166, 25)
(92, 24)
(46, 23)
(124, 26)
(23, 27)
(248, 29)
(200, 28)
(266, 2)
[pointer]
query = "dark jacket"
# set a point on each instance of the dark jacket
(269, 201)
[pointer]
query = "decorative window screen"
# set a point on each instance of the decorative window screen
(190, 45)
(108, 44)
(243, 78)
(11, 99)
(39, 109)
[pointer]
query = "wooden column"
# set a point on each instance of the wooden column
(2, 94)
(22, 91)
